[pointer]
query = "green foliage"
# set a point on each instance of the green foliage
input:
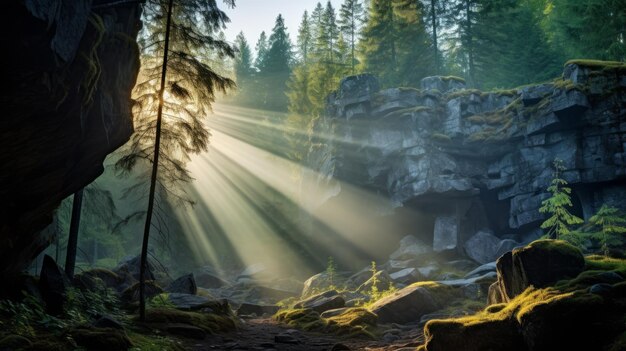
(350, 21)
(557, 205)
(611, 225)
(374, 292)
(331, 271)
(161, 301)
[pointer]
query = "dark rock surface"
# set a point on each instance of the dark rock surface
(469, 160)
(68, 83)
(323, 302)
(53, 284)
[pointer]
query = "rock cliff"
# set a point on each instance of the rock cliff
(473, 160)
(68, 70)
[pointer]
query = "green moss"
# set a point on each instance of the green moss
(560, 246)
(502, 92)
(209, 322)
(596, 64)
(440, 137)
(301, 318)
(453, 78)
(409, 90)
(353, 322)
(406, 111)
(604, 263)
(568, 84)
(153, 343)
(463, 92)
(495, 308)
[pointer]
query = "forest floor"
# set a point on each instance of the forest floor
(265, 334)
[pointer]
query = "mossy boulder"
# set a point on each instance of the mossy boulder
(163, 318)
(353, 322)
(323, 302)
(540, 264)
(103, 339)
(14, 342)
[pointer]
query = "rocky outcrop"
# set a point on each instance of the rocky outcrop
(68, 78)
(470, 161)
(540, 264)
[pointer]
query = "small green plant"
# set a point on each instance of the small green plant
(611, 224)
(161, 300)
(374, 292)
(331, 271)
(557, 205)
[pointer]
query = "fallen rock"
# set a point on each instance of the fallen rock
(323, 302)
(406, 276)
(445, 236)
(411, 303)
(410, 248)
(207, 278)
(485, 268)
(131, 294)
(188, 302)
(259, 310)
(184, 285)
(321, 282)
(482, 247)
(131, 265)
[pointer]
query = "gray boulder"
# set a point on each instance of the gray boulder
(323, 302)
(410, 248)
(445, 236)
(185, 285)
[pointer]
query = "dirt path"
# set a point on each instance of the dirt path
(267, 335)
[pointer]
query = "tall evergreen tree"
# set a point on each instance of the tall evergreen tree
(350, 22)
(589, 28)
(276, 68)
(175, 93)
(378, 46)
(462, 41)
(434, 14)
(243, 60)
(415, 57)
(510, 48)
(305, 39)
(261, 48)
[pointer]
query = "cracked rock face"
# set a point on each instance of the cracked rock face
(69, 77)
(461, 154)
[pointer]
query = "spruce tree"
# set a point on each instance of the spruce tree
(588, 28)
(414, 55)
(350, 22)
(557, 205)
(261, 48)
(243, 60)
(276, 67)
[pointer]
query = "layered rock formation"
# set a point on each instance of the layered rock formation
(473, 160)
(68, 80)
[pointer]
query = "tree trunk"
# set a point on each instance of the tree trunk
(155, 165)
(433, 17)
(72, 241)
(470, 43)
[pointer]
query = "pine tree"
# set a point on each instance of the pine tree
(612, 226)
(557, 205)
(243, 60)
(261, 48)
(305, 39)
(414, 55)
(461, 20)
(588, 28)
(378, 46)
(175, 93)
(510, 47)
(276, 67)
(434, 13)
(350, 21)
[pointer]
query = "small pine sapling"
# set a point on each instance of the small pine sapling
(610, 223)
(557, 205)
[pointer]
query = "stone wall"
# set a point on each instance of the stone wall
(69, 69)
(478, 160)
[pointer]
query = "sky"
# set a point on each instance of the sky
(254, 16)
